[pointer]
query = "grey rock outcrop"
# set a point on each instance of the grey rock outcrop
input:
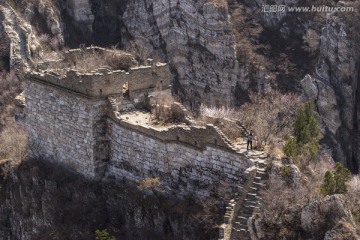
(325, 100)
(51, 14)
(5, 49)
(342, 230)
(335, 90)
(42, 201)
(274, 19)
(328, 218)
(319, 216)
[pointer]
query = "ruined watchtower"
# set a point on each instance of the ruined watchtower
(67, 107)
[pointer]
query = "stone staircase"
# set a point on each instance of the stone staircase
(246, 200)
(249, 202)
(226, 139)
(188, 119)
(244, 131)
(18, 32)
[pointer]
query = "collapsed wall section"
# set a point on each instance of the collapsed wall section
(180, 164)
(66, 128)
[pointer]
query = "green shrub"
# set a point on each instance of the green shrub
(286, 173)
(356, 217)
(103, 235)
(334, 182)
(306, 133)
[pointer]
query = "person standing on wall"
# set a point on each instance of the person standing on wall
(249, 141)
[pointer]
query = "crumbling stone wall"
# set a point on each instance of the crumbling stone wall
(71, 121)
(105, 82)
(65, 128)
(183, 164)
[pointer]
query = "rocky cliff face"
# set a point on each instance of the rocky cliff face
(324, 219)
(4, 49)
(334, 87)
(39, 201)
(194, 36)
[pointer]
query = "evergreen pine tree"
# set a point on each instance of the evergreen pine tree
(335, 182)
(306, 133)
(341, 176)
(328, 186)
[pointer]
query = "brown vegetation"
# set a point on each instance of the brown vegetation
(222, 117)
(90, 60)
(269, 115)
(165, 109)
(289, 191)
(219, 3)
(288, 187)
(10, 87)
(140, 49)
(312, 40)
(13, 143)
(353, 198)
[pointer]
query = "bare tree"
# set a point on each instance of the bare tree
(140, 49)
(269, 115)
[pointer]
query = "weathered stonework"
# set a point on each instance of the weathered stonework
(175, 155)
(65, 128)
(72, 122)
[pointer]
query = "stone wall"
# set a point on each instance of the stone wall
(84, 133)
(104, 82)
(66, 128)
(182, 164)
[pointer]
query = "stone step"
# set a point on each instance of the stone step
(247, 211)
(254, 189)
(261, 169)
(261, 174)
(251, 202)
(259, 185)
(242, 218)
(243, 221)
(246, 215)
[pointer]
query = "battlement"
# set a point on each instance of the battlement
(196, 137)
(105, 82)
(102, 81)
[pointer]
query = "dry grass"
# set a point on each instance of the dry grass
(279, 195)
(165, 109)
(353, 198)
(10, 87)
(217, 112)
(140, 48)
(13, 143)
(269, 116)
(219, 3)
(90, 60)
(286, 189)
(312, 40)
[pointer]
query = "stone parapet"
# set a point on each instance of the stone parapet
(105, 82)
